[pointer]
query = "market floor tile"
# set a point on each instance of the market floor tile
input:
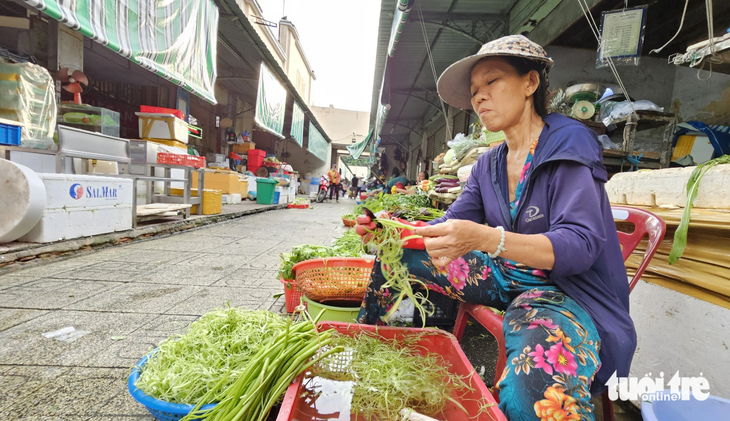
(137, 298)
(211, 298)
(51, 293)
(24, 344)
(131, 297)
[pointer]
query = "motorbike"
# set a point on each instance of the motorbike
(324, 186)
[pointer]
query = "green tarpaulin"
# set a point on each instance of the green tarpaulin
(176, 39)
(358, 148)
(297, 124)
(317, 143)
(270, 103)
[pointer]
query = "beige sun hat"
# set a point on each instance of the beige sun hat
(455, 82)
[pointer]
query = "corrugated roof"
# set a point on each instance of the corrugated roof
(453, 29)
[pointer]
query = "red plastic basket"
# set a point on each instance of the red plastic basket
(256, 152)
(292, 294)
(159, 110)
(333, 278)
(172, 159)
(196, 161)
(478, 402)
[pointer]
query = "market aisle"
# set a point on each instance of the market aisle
(129, 298)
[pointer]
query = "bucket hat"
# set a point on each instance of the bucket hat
(454, 84)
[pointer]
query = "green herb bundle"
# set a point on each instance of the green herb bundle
(348, 245)
(415, 207)
(219, 344)
(390, 376)
(388, 245)
(262, 382)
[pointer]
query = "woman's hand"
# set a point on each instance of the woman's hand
(365, 227)
(454, 238)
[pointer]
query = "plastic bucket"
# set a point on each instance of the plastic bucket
(265, 191)
(333, 313)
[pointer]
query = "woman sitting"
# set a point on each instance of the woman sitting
(532, 234)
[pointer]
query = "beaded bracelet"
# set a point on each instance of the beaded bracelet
(500, 247)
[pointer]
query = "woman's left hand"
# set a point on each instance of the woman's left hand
(452, 239)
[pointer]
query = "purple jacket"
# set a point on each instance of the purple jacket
(564, 199)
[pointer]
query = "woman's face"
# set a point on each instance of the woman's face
(499, 93)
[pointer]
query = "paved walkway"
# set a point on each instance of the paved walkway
(129, 298)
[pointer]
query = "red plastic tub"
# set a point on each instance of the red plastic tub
(437, 341)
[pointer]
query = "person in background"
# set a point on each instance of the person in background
(411, 189)
(354, 188)
(343, 187)
(394, 181)
(334, 179)
(376, 187)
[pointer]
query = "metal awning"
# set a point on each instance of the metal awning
(246, 46)
(404, 85)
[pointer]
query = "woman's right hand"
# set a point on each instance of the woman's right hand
(366, 226)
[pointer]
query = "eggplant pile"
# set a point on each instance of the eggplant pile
(447, 184)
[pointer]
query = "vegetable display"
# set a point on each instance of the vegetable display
(348, 245)
(390, 376)
(416, 207)
(218, 345)
(262, 382)
(693, 185)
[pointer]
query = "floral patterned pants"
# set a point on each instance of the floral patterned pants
(552, 343)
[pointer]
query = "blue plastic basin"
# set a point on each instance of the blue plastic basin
(713, 408)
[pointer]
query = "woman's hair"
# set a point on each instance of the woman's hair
(524, 66)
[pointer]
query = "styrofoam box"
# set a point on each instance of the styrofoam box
(161, 129)
(232, 199)
(251, 183)
(667, 188)
(82, 205)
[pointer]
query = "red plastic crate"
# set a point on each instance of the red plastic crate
(256, 153)
(172, 159)
(196, 161)
(159, 110)
(435, 341)
(254, 163)
(292, 294)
